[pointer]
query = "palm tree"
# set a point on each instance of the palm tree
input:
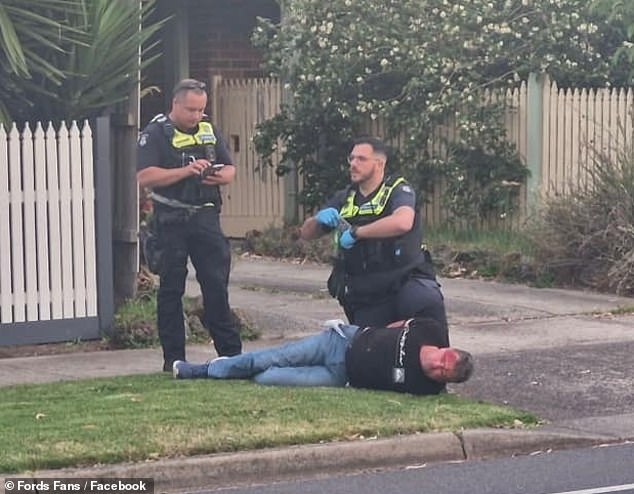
(28, 30)
(68, 59)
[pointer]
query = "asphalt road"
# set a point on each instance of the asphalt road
(558, 383)
(557, 353)
(585, 471)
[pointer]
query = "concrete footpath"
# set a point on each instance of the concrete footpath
(564, 355)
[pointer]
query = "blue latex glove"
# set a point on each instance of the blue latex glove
(328, 217)
(347, 240)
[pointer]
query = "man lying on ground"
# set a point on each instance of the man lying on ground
(410, 356)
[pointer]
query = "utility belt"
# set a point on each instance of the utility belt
(371, 287)
(176, 213)
(362, 276)
(368, 288)
(175, 203)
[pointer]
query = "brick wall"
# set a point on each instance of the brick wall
(219, 43)
(219, 40)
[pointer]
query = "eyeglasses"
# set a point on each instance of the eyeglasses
(361, 159)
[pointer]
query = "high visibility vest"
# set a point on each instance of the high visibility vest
(185, 148)
(380, 265)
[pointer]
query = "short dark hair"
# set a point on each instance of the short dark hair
(188, 85)
(464, 367)
(378, 146)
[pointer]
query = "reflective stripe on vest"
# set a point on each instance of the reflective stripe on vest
(203, 136)
(183, 148)
(373, 207)
(383, 260)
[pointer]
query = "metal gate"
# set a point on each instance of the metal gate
(55, 233)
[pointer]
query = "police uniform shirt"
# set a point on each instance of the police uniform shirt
(154, 149)
(370, 366)
(402, 195)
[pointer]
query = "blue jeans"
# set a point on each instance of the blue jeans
(318, 360)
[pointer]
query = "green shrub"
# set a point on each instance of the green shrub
(284, 243)
(586, 238)
(135, 319)
(135, 323)
(499, 254)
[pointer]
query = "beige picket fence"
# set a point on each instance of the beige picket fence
(558, 132)
(257, 198)
(581, 127)
(47, 229)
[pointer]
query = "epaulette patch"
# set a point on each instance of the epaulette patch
(159, 118)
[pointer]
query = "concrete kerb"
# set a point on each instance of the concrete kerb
(480, 444)
(252, 467)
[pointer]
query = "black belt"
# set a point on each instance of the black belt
(175, 203)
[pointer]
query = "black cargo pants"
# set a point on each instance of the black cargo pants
(418, 296)
(197, 235)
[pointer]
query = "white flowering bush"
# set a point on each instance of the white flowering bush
(415, 65)
(618, 18)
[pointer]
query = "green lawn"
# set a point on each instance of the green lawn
(134, 418)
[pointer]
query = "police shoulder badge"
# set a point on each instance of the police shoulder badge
(143, 139)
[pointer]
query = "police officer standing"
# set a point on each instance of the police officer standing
(184, 161)
(382, 273)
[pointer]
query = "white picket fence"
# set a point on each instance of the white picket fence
(47, 230)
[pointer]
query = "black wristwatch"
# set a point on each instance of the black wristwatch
(353, 232)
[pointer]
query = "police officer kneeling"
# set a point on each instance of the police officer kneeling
(184, 161)
(382, 273)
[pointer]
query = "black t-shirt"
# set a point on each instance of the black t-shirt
(154, 149)
(388, 358)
